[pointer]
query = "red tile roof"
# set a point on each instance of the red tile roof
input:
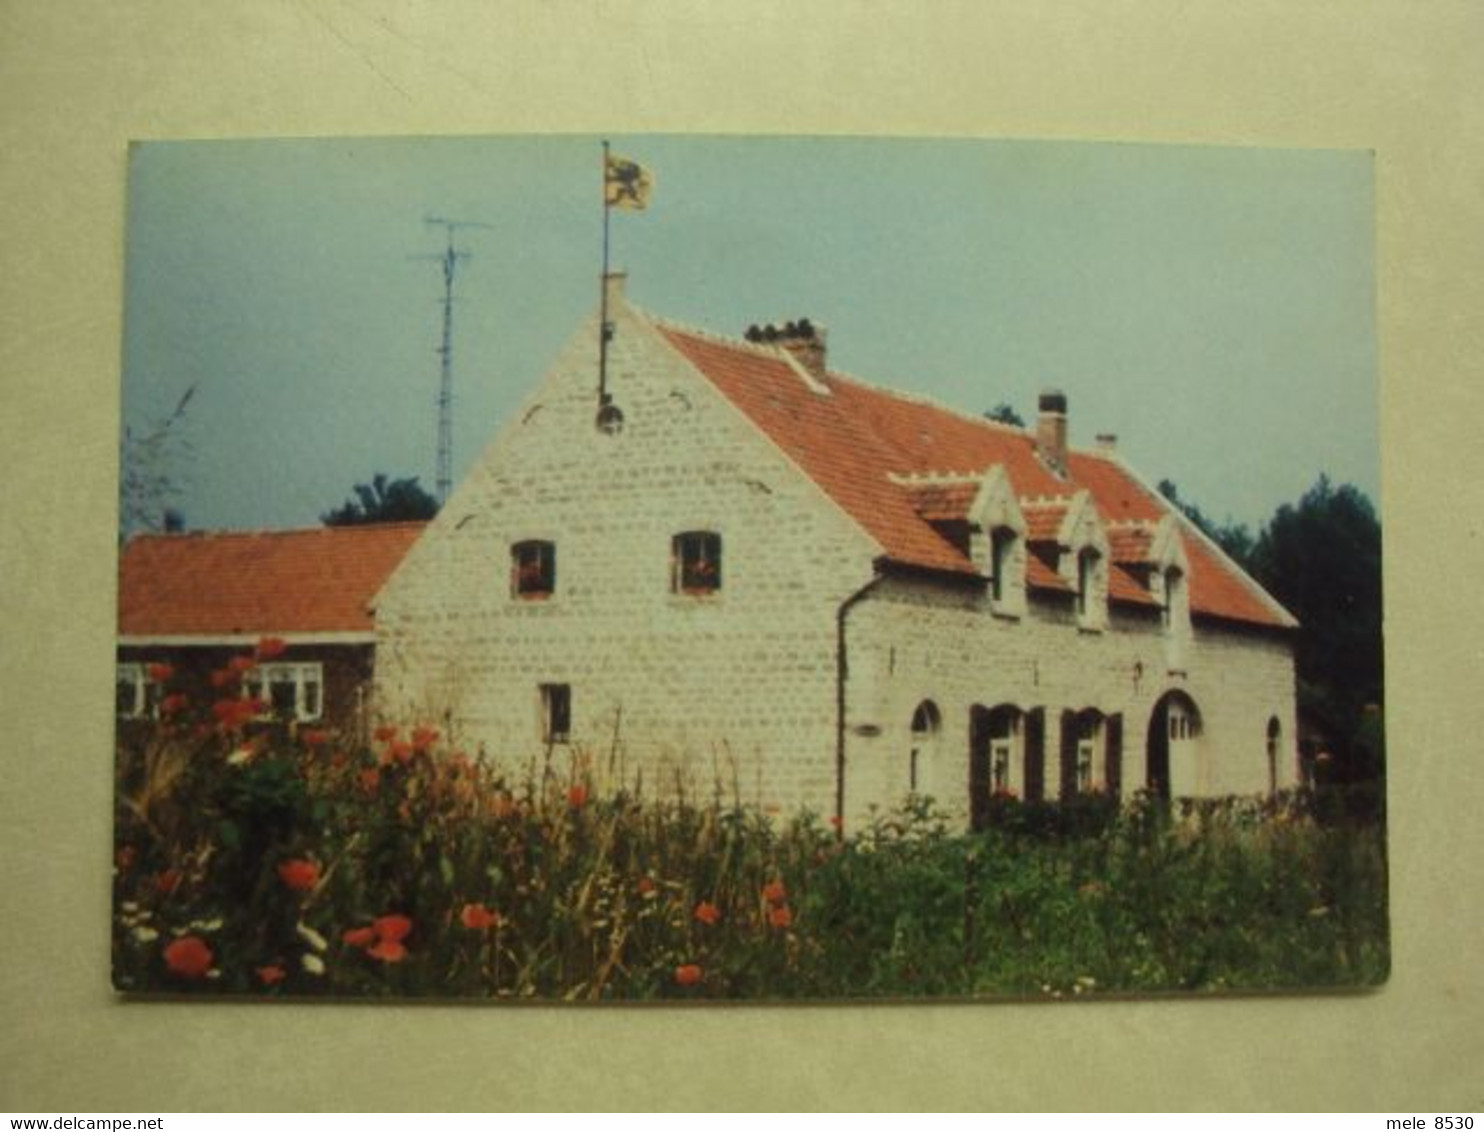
(854, 439)
(247, 583)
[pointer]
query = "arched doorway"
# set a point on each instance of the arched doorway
(1170, 752)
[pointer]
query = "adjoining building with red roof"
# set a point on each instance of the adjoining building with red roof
(193, 602)
(743, 569)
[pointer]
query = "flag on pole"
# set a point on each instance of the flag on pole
(626, 184)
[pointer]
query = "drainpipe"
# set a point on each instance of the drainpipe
(842, 670)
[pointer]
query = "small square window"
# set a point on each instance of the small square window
(696, 563)
(291, 691)
(556, 713)
(533, 570)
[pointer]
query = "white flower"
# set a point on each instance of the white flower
(146, 935)
(207, 925)
(240, 756)
(313, 964)
(312, 937)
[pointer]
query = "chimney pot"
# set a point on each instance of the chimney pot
(1051, 429)
(803, 338)
(1107, 442)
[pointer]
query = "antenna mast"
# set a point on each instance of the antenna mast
(449, 258)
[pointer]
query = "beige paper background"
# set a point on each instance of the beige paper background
(79, 79)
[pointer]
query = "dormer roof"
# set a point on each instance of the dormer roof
(901, 466)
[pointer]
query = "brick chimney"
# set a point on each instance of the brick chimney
(803, 339)
(1051, 429)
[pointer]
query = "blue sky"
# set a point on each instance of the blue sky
(1213, 307)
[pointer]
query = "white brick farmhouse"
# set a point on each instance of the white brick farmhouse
(753, 571)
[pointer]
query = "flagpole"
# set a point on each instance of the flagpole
(605, 331)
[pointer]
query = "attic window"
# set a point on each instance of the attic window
(1088, 564)
(695, 563)
(533, 570)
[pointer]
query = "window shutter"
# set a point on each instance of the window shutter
(1115, 756)
(1035, 755)
(1068, 754)
(978, 770)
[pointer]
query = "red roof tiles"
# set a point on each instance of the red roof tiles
(231, 583)
(854, 439)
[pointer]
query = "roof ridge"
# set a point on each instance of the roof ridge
(260, 532)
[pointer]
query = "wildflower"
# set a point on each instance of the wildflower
(123, 859)
(502, 805)
(577, 796)
(314, 738)
(311, 937)
(270, 975)
(400, 751)
(478, 918)
(312, 964)
(167, 881)
(392, 928)
(370, 779)
(423, 738)
(221, 677)
(707, 912)
(837, 823)
(241, 756)
(212, 925)
(388, 951)
(145, 934)
(188, 957)
(160, 673)
(645, 887)
(269, 647)
(774, 892)
(385, 734)
(359, 937)
(174, 703)
(299, 875)
(241, 664)
(780, 917)
(688, 974)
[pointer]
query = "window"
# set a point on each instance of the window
(556, 713)
(533, 570)
(1087, 563)
(925, 723)
(291, 691)
(695, 563)
(1275, 733)
(1002, 554)
(137, 696)
(1087, 744)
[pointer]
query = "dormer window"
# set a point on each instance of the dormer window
(533, 570)
(1090, 588)
(1002, 542)
(695, 563)
(1170, 611)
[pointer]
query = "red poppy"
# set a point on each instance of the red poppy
(689, 974)
(233, 715)
(388, 951)
(577, 796)
(370, 779)
(221, 677)
(241, 664)
(167, 881)
(173, 703)
(707, 912)
(385, 734)
(774, 892)
(478, 918)
(837, 823)
(402, 752)
(423, 738)
(360, 937)
(392, 928)
(188, 957)
(780, 917)
(270, 975)
(269, 647)
(645, 886)
(314, 738)
(160, 673)
(298, 874)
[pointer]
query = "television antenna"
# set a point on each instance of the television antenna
(449, 258)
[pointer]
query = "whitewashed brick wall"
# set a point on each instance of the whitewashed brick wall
(738, 689)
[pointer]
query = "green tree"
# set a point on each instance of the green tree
(1005, 413)
(383, 500)
(1233, 538)
(1321, 558)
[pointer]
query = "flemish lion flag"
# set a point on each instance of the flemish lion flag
(626, 184)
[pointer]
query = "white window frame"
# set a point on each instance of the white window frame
(136, 673)
(257, 683)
